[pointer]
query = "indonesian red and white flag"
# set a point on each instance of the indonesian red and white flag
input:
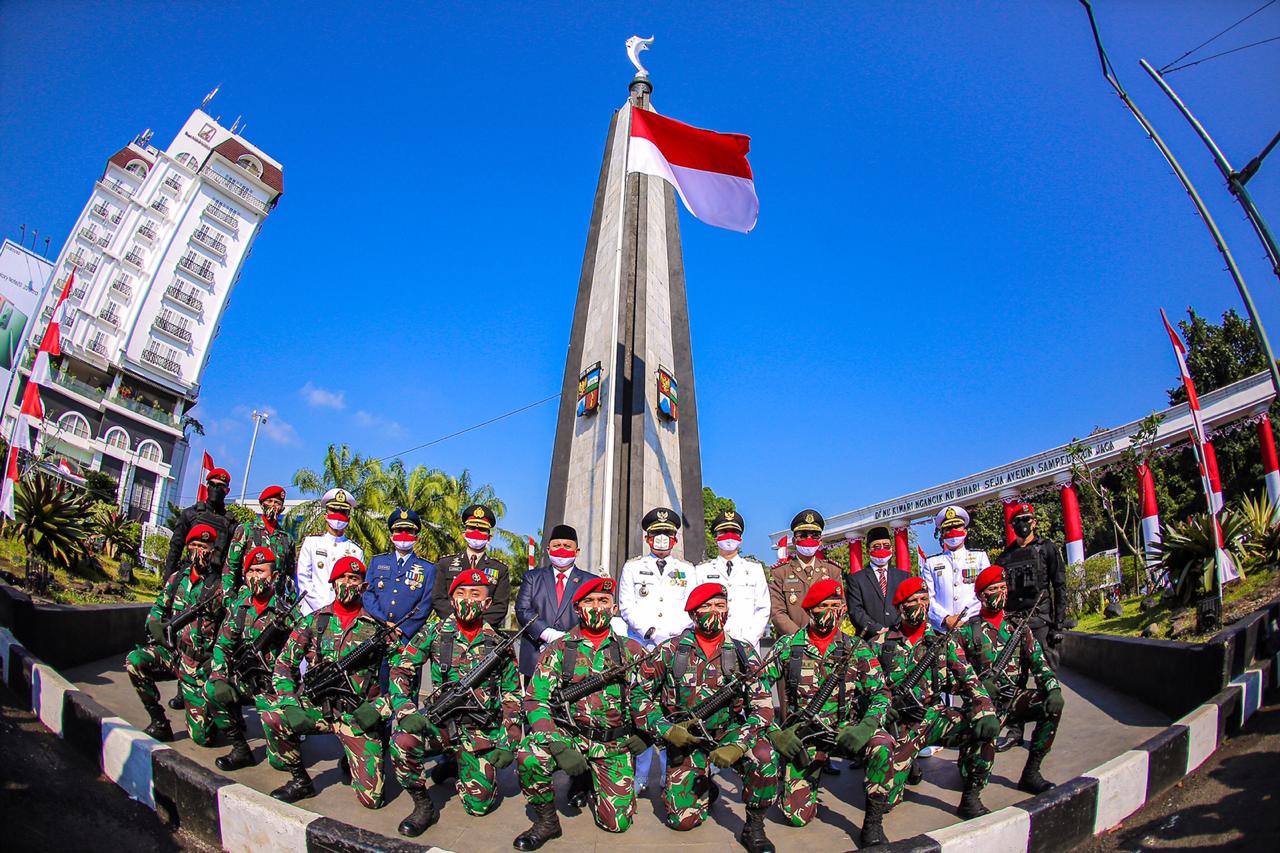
(920, 553)
(782, 548)
(1193, 400)
(29, 415)
(51, 343)
(533, 550)
(206, 467)
(9, 482)
(709, 170)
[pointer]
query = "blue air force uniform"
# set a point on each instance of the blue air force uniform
(400, 581)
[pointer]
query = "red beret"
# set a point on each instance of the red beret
(469, 577)
(259, 555)
(702, 594)
(906, 589)
(201, 532)
(988, 576)
(271, 492)
(1021, 508)
(344, 566)
(594, 585)
(821, 591)
(218, 473)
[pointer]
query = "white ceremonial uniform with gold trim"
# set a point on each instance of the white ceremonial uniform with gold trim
(653, 596)
(748, 588)
(316, 557)
(949, 577)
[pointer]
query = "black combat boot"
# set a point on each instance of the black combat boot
(445, 769)
(752, 836)
(1032, 782)
(580, 790)
(546, 826)
(1012, 737)
(873, 822)
(239, 756)
(344, 768)
(297, 788)
(971, 800)
(916, 773)
(424, 814)
(159, 727)
(176, 702)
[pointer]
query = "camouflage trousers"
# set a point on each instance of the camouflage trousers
(612, 770)
(687, 792)
(147, 665)
(941, 726)
(477, 777)
(363, 752)
(1028, 707)
(800, 779)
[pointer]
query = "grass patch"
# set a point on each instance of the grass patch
(95, 584)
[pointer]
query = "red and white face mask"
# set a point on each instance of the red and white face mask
(562, 558)
(477, 540)
(808, 547)
(953, 539)
(728, 543)
(403, 542)
(880, 557)
(337, 520)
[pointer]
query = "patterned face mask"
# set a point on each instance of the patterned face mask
(259, 584)
(709, 622)
(825, 621)
(596, 618)
(348, 593)
(994, 601)
(468, 609)
(913, 614)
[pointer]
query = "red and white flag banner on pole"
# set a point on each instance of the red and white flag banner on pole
(29, 415)
(709, 170)
(9, 482)
(1227, 570)
(206, 468)
(782, 549)
(533, 550)
(51, 343)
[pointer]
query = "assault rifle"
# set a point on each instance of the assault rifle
(695, 718)
(171, 628)
(564, 698)
(251, 664)
(457, 698)
(328, 684)
(905, 702)
(808, 724)
(995, 673)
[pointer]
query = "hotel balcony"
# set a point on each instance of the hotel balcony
(122, 287)
(153, 357)
(204, 271)
(223, 214)
(211, 242)
(172, 329)
(179, 296)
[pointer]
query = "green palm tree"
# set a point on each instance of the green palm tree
(360, 476)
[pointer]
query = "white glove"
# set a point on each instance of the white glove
(550, 635)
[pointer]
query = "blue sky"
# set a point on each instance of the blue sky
(963, 236)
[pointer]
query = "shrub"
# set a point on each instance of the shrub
(1187, 551)
(1087, 584)
(49, 519)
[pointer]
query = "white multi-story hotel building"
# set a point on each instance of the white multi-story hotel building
(156, 251)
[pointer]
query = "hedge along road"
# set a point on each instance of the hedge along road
(52, 799)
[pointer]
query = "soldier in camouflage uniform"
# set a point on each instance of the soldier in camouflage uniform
(689, 668)
(257, 609)
(595, 739)
(261, 532)
(849, 722)
(329, 634)
(984, 638)
(481, 743)
(923, 717)
(194, 584)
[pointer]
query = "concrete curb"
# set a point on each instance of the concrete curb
(238, 818)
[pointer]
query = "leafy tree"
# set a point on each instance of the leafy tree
(238, 514)
(118, 533)
(712, 505)
(101, 486)
(359, 476)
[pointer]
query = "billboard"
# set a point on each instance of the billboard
(23, 277)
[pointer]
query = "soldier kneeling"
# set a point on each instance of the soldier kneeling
(181, 626)
(592, 737)
(689, 669)
(921, 665)
(834, 702)
(244, 655)
(480, 734)
(986, 639)
(354, 711)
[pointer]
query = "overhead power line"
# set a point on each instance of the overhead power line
(1169, 66)
(1167, 70)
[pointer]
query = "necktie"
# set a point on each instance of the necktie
(559, 587)
(884, 582)
(662, 564)
(473, 561)
(728, 568)
(402, 561)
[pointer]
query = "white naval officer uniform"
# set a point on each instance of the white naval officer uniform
(949, 577)
(316, 557)
(749, 604)
(653, 596)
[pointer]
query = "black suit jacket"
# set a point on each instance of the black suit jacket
(868, 609)
(536, 603)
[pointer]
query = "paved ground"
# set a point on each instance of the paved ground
(51, 799)
(1098, 725)
(1232, 803)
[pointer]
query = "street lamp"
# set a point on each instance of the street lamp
(259, 418)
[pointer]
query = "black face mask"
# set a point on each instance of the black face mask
(217, 493)
(1021, 526)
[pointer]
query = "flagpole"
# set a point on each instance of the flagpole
(615, 374)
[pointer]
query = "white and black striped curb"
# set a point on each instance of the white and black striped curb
(231, 816)
(1099, 800)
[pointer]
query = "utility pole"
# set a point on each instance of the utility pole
(1109, 74)
(259, 418)
(1235, 180)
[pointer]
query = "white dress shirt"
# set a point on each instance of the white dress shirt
(653, 596)
(949, 577)
(748, 595)
(316, 557)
